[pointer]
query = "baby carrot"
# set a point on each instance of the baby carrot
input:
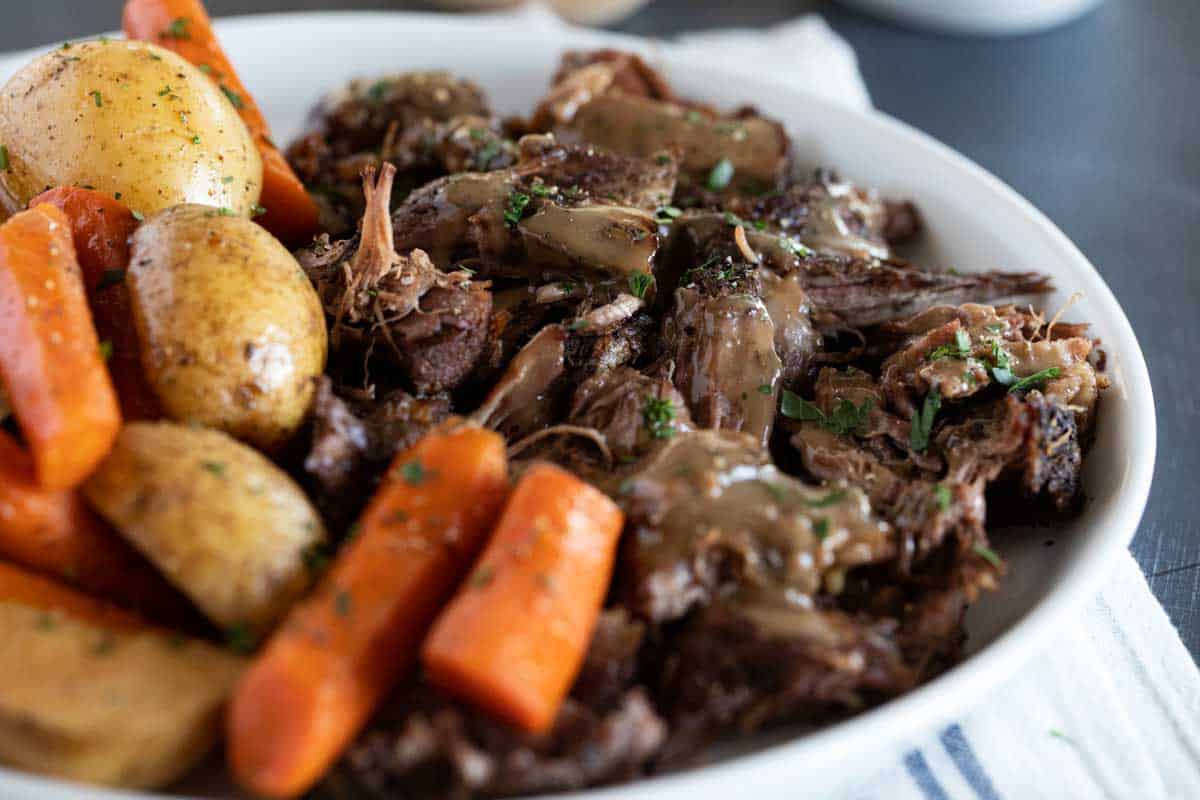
(344, 647)
(514, 637)
(50, 357)
(184, 27)
(101, 226)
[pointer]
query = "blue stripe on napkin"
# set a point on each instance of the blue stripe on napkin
(918, 769)
(956, 744)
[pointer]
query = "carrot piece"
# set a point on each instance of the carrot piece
(513, 639)
(184, 27)
(52, 532)
(19, 586)
(344, 647)
(50, 358)
(101, 226)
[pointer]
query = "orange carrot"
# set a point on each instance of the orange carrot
(513, 639)
(344, 647)
(51, 531)
(50, 358)
(19, 586)
(184, 27)
(101, 226)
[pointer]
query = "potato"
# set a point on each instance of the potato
(223, 523)
(126, 118)
(131, 708)
(232, 331)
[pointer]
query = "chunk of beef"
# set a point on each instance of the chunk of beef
(708, 515)
(721, 340)
(632, 411)
(354, 440)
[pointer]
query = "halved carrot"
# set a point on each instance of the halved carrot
(184, 27)
(101, 226)
(343, 648)
(50, 357)
(514, 637)
(19, 586)
(51, 531)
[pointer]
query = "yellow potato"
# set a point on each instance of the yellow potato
(232, 331)
(126, 118)
(131, 708)
(223, 523)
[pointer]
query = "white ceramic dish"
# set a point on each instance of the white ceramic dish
(974, 222)
(980, 17)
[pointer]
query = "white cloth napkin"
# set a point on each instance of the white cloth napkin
(1113, 709)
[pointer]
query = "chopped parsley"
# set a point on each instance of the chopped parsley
(110, 277)
(693, 116)
(721, 175)
(639, 283)
(961, 348)
(1035, 380)
(413, 473)
(46, 621)
(139, 216)
(234, 97)
(196, 139)
(482, 576)
(316, 557)
(517, 201)
(988, 555)
(662, 159)
(257, 211)
(1057, 734)
(922, 421)
(105, 644)
(227, 179)
(377, 89)
(226, 211)
(943, 497)
(567, 286)
(540, 189)
(667, 213)
(845, 417)
(240, 639)
(795, 248)
(97, 98)
(215, 467)
(820, 528)
(4, 164)
(486, 154)
(831, 499)
(657, 415)
(166, 90)
(178, 29)
(106, 349)
(765, 388)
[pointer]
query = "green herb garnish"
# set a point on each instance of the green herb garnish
(316, 557)
(657, 415)
(139, 216)
(820, 528)
(961, 348)
(482, 576)
(943, 497)
(215, 467)
(97, 98)
(517, 201)
(4, 164)
(667, 213)
(765, 388)
(257, 211)
(1035, 380)
(178, 29)
(795, 248)
(988, 555)
(540, 189)
(106, 350)
(341, 603)
(234, 97)
(845, 417)
(831, 499)
(413, 473)
(240, 639)
(720, 175)
(639, 282)
(226, 211)
(922, 421)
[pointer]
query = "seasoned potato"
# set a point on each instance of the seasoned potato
(232, 332)
(126, 118)
(223, 523)
(133, 708)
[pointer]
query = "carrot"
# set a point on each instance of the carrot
(513, 639)
(52, 532)
(50, 358)
(27, 589)
(101, 226)
(343, 648)
(184, 27)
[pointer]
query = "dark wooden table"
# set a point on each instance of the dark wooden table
(1097, 123)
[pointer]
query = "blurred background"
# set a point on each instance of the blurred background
(1095, 121)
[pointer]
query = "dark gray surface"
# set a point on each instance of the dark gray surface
(1097, 123)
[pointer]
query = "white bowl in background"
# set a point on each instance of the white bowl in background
(983, 17)
(973, 222)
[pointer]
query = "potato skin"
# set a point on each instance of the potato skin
(129, 119)
(232, 331)
(129, 708)
(223, 523)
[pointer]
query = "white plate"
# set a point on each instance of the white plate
(974, 222)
